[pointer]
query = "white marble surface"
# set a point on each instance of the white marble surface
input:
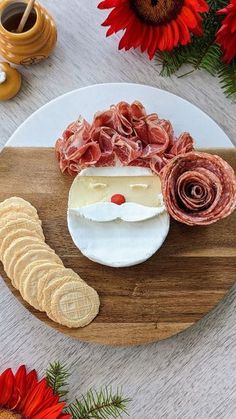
(192, 375)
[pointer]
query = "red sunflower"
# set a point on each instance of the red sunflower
(226, 35)
(154, 24)
(22, 396)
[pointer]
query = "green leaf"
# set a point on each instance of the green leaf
(57, 376)
(101, 404)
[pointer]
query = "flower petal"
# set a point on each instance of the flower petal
(183, 30)
(115, 15)
(153, 47)
(189, 17)
(108, 4)
(122, 23)
(6, 386)
(19, 388)
(52, 412)
(35, 398)
(175, 31)
(147, 38)
(20, 379)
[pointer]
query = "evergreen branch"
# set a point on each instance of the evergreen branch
(209, 59)
(202, 53)
(171, 62)
(57, 376)
(227, 76)
(99, 405)
(217, 4)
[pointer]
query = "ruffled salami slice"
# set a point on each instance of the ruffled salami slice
(81, 127)
(198, 188)
(127, 150)
(118, 117)
(183, 144)
(105, 137)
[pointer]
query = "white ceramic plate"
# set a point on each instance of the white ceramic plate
(44, 126)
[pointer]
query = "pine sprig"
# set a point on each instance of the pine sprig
(202, 53)
(57, 376)
(101, 404)
(227, 76)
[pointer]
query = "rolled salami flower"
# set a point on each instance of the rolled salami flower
(198, 188)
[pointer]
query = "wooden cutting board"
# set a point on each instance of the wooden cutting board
(190, 274)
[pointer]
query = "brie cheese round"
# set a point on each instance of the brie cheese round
(111, 234)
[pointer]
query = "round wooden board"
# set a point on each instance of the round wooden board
(190, 274)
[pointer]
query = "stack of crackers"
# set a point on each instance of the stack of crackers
(37, 272)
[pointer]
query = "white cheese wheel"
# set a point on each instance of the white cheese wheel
(117, 242)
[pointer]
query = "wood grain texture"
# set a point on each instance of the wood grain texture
(189, 376)
(182, 282)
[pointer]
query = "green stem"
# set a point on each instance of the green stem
(186, 74)
(98, 407)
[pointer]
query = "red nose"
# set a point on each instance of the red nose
(118, 199)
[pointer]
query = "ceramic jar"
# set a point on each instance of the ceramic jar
(35, 43)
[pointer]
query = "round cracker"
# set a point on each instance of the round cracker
(17, 201)
(23, 212)
(28, 270)
(12, 258)
(17, 245)
(17, 216)
(15, 234)
(19, 208)
(32, 255)
(44, 286)
(49, 290)
(74, 304)
(23, 223)
(32, 275)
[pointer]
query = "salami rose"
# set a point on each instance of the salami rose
(198, 188)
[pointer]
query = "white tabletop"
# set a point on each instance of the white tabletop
(191, 375)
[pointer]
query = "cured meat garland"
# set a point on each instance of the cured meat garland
(124, 134)
(198, 188)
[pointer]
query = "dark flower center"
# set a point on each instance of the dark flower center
(157, 12)
(8, 414)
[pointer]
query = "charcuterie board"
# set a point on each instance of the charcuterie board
(190, 274)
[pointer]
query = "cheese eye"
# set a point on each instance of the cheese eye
(97, 186)
(139, 186)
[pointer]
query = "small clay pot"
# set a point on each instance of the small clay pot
(10, 81)
(37, 40)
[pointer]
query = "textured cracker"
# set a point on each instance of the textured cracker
(49, 290)
(14, 216)
(20, 233)
(51, 277)
(16, 246)
(29, 284)
(74, 304)
(31, 256)
(10, 267)
(23, 223)
(17, 201)
(19, 209)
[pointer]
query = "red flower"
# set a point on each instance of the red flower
(226, 35)
(23, 396)
(154, 24)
